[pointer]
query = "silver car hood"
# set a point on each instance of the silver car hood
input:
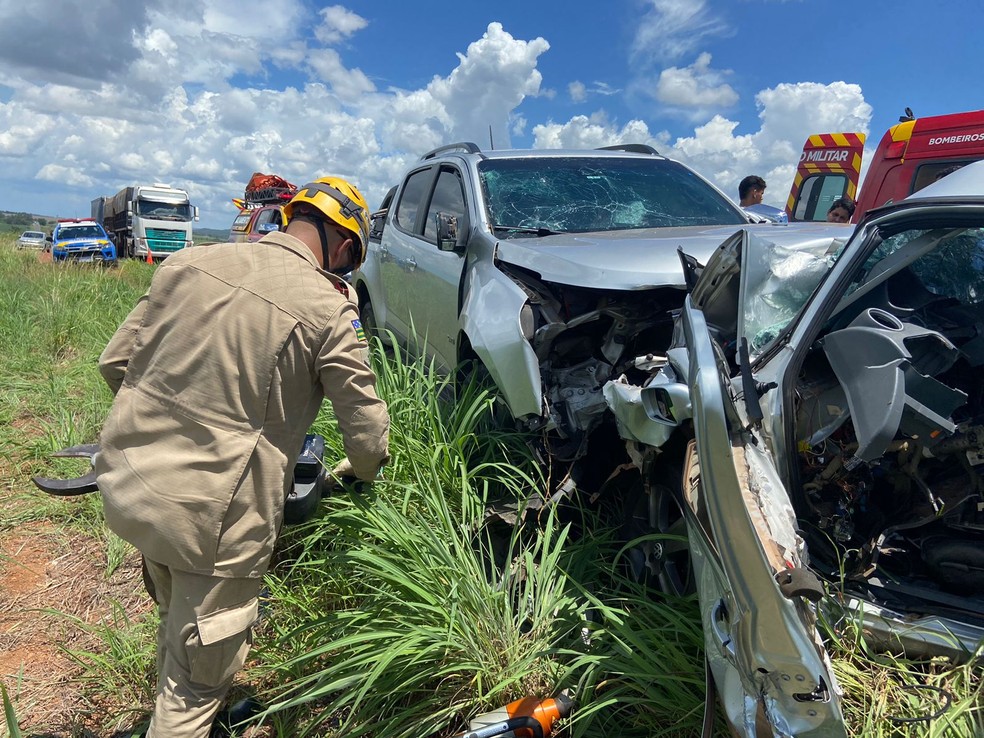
(632, 259)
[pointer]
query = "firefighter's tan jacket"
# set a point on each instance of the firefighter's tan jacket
(219, 371)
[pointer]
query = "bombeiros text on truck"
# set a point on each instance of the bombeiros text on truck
(147, 221)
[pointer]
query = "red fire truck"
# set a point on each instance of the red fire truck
(909, 156)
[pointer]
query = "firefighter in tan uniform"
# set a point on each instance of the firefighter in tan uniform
(219, 371)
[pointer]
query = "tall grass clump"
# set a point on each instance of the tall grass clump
(404, 612)
(121, 664)
(888, 695)
(9, 714)
(54, 322)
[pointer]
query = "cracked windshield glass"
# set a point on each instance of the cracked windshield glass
(577, 195)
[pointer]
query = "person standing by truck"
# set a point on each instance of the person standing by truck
(219, 371)
(751, 190)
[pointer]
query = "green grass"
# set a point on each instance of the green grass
(402, 611)
(10, 716)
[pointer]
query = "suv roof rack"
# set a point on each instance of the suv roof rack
(467, 146)
(631, 148)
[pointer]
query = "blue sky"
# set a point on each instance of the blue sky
(208, 91)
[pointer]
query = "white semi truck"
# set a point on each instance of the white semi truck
(147, 221)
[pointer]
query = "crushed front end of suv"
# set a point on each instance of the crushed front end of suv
(81, 241)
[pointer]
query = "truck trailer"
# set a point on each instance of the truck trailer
(147, 221)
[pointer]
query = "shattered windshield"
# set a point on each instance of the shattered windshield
(939, 261)
(164, 210)
(582, 194)
(778, 282)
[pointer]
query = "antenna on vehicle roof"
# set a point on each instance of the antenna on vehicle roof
(491, 143)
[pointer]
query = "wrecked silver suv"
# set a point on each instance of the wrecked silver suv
(552, 270)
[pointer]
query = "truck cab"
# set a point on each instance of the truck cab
(147, 221)
(912, 154)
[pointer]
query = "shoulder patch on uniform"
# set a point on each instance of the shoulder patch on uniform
(341, 287)
(359, 332)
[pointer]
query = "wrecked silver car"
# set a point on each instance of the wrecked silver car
(552, 271)
(836, 400)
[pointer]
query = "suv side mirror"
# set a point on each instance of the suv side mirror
(447, 232)
(377, 221)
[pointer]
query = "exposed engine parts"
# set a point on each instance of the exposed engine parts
(584, 337)
(892, 460)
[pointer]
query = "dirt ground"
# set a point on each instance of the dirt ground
(43, 569)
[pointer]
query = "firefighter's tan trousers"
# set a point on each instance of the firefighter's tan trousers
(202, 641)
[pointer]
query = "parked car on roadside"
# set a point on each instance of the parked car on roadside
(836, 401)
(31, 240)
(81, 240)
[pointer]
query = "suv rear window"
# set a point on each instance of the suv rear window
(581, 194)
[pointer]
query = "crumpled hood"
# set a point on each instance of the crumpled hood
(632, 259)
(624, 260)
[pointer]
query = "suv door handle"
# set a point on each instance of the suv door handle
(411, 263)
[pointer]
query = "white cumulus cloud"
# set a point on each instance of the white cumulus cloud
(787, 114)
(591, 132)
(173, 105)
(698, 87)
(337, 24)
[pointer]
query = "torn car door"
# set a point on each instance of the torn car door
(754, 589)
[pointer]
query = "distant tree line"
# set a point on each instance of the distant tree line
(22, 219)
(17, 222)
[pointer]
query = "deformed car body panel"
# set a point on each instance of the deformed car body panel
(530, 302)
(565, 264)
(622, 266)
(618, 260)
(761, 645)
(496, 337)
(897, 529)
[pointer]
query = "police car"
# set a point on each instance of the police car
(81, 240)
